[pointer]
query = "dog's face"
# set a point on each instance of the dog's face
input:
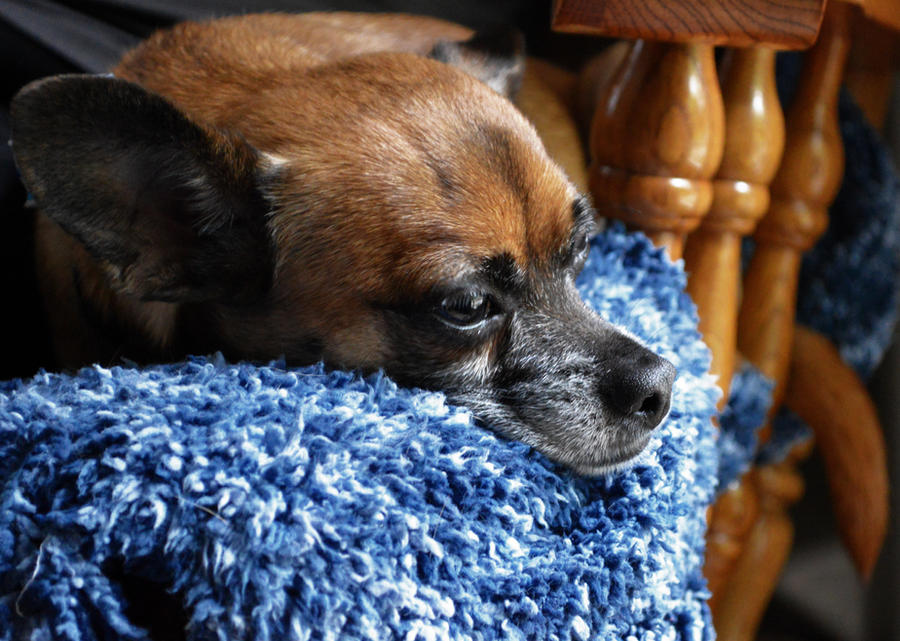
(388, 211)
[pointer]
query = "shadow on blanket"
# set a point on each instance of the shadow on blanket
(259, 502)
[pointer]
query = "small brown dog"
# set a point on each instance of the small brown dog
(353, 188)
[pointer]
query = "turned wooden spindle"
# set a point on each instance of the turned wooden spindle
(802, 190)
(730, 520)
(737, 610)
(806, 183)
(657, 139)
(754, 141)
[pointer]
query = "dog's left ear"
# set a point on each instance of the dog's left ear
(495, 56)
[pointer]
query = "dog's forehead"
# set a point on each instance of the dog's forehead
(522, 205)
(430, 171)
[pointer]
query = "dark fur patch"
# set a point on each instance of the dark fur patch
(501, 270)
(174, 209)
(502, 157)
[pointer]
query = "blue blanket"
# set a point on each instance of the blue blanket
(262, 502)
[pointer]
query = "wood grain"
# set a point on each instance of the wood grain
(803, 188)
(754, 141)
(781, 24)
(806, 183)
(657, 139)
(739, 608)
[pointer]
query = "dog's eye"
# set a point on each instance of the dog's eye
(465, 310)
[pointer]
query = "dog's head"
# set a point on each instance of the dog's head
(385, 211)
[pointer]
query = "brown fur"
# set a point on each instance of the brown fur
(327, 186)
(259, 68)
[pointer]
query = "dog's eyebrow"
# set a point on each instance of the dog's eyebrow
(502, 272)
(500, 155)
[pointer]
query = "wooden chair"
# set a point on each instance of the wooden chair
(699, 157)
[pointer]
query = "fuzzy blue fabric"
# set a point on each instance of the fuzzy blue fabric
(269, 503)
(849, 281)
(233, 501)
(748, 403)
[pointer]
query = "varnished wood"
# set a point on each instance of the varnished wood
(804, 186)
(754, 141)
(730, 520)
(657, 139)
(765, 326)
(782, 24)
(738, 608)
(806, 183)
(633, 179)
(593, 81)
(886, 12)
(832, 400)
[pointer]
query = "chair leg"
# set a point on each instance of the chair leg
(754, 141)
(804, 187)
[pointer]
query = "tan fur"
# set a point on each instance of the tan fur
(314, 187)
(258, 96)
(292, 61)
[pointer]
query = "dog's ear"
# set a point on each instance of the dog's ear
(173, 211)
(495, 56)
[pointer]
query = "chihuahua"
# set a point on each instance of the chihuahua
(350, 188)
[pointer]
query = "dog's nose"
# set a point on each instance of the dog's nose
(642, 392)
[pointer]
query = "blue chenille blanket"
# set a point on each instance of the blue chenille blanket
(263, 502)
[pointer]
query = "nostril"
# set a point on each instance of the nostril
(651, 405)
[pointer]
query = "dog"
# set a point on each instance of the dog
(351, 188)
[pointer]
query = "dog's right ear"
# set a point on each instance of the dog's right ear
(174, 211)
(495, 55)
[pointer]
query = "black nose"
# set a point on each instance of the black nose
(639, 391)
